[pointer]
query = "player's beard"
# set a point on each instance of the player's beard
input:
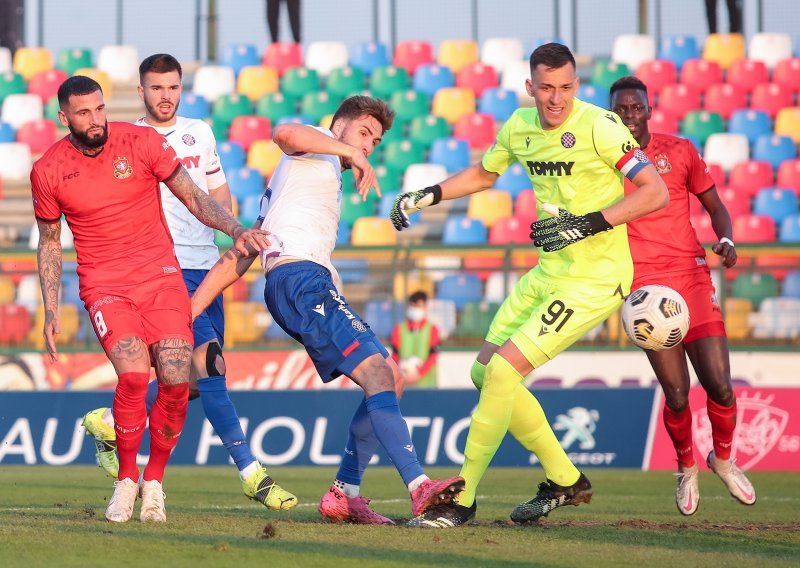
(153, 111)
(87, 141)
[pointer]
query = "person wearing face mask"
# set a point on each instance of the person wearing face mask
(415, 344)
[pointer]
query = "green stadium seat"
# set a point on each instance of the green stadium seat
(425, 129)
(51, 109)
(11, 84)
(219, 128)
(318, 105)
(387, 80)
(353, 207)
(755, 287)
(73, 58)
(475, 319)
(409, 105)
(345, 81)
(401, 154)
(605, 72)
(275, 106)
(702, 124)
(297, 81)
(389, 179)
(228, 107)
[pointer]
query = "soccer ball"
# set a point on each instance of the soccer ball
(655, 317)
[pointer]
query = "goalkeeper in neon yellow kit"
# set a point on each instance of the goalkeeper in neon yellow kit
(576, 155)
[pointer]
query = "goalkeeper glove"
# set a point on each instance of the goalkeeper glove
(564, 228)
(411, 202)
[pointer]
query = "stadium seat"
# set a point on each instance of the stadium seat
(231, 155)
(264, 156)
(662, 121)
(789, 175)
(656, 74)
(605, 72)
(369, 55)
(70, 59)
(294, 119)
(400, 154)
(776, 202)
(8, 290)
(460, 289)
(754, 229)
(28, 61)
(716, 173)
(633, 49)
(679, 49)
(511, 230)
(194, 106)
(724, 49)
(453, 103)
(390, 179)
(790, 230)
(791, 285)
(514, 180)
(787, 123)
(46, 84)
(425, 129)
(7, 133)
(283, 56)
(701, 124)
(476, 318)
(770, 48)
(464, 231)
(726, 150)
(345, 81)
(418, 176)
(500, 284)
(525, 205)
(703, 229)
(737, 203)
(755, 287)
(700, 74)
(594, 94)
(774, 149)
(408, 105)
(679, 99)
(478, 77)
(458, 53)
(452, 153)
(749, 177)
(751, 123)
(318, 105)
(246, 322)
(245, 182)
(771, 98)
(102, 79)
(724, 99)
(514, 76)
(240, 55)
(746, 74)
(500, 51)
(387, 80)
(411, 54)
(19, 109)
(431, 77)
(777, 318)
(15, 161)
(39, 135)
(787, 74)
(353, 208)
(382, 315)
(16, 324)
(343, 236)
(373, 231)
(297, 81)
(213, 81)
(120, 63)
(490, 206)
(325, 56)
(249, 211)
(228, 107)
(246, 130)
(255, 81)
(275, 106)
(11, 84)
(498, 102)
(737, 315)
(6, 61)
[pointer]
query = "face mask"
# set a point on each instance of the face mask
(415, 314)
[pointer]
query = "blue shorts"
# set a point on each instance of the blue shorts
(210, 324)
(303, 300)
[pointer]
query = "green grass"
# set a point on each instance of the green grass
(53, 516)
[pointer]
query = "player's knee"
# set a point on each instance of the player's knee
(676, 402)
(215, 363)
(722, 394)
(377, 376)
(478, 374)
(173, 358)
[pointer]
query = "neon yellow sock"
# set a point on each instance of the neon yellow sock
(489, 423)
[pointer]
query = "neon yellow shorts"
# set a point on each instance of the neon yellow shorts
(543, 316)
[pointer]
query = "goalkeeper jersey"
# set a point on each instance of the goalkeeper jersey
(578, 166)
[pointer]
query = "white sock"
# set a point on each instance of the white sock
(248, 471)
(108, 418)
(417, 482)
(348, 489)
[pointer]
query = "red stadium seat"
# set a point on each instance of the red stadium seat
(736, 202)
(701, 74)
(39, 135)
(717, 174)
(789, 174)
(656, 74)
(282, 56)
(411, 54)
(513, 230)
(725, 99)
(46, 83)
(750, 176)
(754, 229)
(477, 77)
(483, 266)
(525, 205)
(703, 229)
(746, 74)
(771, 98)
(477, 129)
(15, 324)
(247, 129)
(663, 122)
(787, 74)
(679, 99)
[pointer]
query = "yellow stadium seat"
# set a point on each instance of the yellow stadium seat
(70, 322)
(405, 283)
(326, 121)
(28, 61)
(737, 316)
(490, 206)
(724, 49)
(452, 103)
(787, 123)
(245, 322)
(100, 76)
(373, 232)
(458, 53)
(255, 81)
(264, 156)
(7, 290)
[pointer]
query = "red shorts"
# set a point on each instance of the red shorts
(705, 316)
(152, 311)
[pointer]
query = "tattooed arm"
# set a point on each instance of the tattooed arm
(48, 256)
(214, 215)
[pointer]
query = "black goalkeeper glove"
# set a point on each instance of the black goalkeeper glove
(564, 228)
(412, 201)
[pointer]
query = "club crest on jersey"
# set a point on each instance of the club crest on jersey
(122, 168)
(662, 163)
(568, 140)
(188, 139)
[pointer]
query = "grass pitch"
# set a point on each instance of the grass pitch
(53, 516)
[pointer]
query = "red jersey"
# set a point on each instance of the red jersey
(112, 203)
(664, 240)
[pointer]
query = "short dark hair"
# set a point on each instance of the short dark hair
(418, 296)
(552, 56)
(76, 85)
(357, 106)
(159, 63)
(628, 82)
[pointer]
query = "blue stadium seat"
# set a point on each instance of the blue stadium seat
(343, 235)
(545, 39)
(776, 202)
(7, 133)
(194, 106)
(463, 230)
(296, 119)
(430, 78)
(452, 153)
(751, 123)
(790, 230)
(594, 94)
(791, 285)
(774, 149)
(381, 315)
(679, 49)
(514, 180)
(231, 155)
(245, 182)
(460, 289)
(499, 103)
(274, 331)
(352, 270)
(239, 55)
(255, 291)
(370, 55)
(70, 290)
(249, 209)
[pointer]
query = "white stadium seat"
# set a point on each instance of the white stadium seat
(15, 161)
(213, 81)
(633, 50)
(726, 150)
(325, 56)
(770, 48)
(120, 63)
(497, 289)
(67, 240)
(777, 318)
(423, 175)
(513, 79)
(443, 314)
(500, 51)
(6, 63)
(21, 108)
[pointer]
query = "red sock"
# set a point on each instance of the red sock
(679, 428)
(130, 416)
(723, 423)
(166, 422)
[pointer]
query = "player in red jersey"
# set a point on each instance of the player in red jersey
(666, 251)
(103, 178)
